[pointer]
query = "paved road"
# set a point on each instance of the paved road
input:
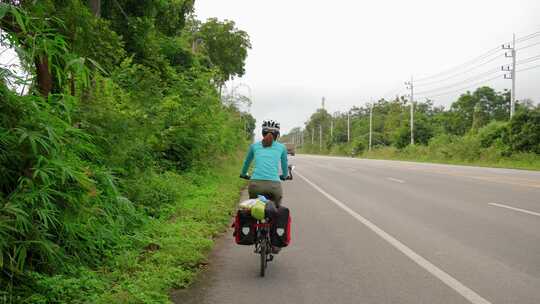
(369, 231)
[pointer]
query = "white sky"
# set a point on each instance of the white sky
(351, 51)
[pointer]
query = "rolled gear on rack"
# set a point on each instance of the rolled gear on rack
(257, 211)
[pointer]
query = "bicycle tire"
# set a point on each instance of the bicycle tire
(264, 252)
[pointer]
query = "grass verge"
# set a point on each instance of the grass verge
(483, 158)
(526, 161)
(167, 252)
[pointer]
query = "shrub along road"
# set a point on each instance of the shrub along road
(375, 231)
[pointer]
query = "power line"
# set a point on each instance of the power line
(480, 57)
(529, 68)
(463, 88)
(460, 73)
(528, 46)
(484, 55)
(487, 73)
(530, 59)
(477, 83)
(527, 37)
(477, 62)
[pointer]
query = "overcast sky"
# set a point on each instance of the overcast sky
(352, 51)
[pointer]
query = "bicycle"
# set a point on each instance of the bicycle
(263, 245)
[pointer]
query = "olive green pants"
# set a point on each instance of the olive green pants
(270, 189)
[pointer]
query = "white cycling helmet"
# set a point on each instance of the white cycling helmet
(270, 126)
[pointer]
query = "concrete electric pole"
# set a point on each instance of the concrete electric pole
(409, 85)
(512, 70)
(332, 128)
(370, 124)
(349, 126)
(320, 137)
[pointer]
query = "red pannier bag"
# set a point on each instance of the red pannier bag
(244, 228)
(280, 231)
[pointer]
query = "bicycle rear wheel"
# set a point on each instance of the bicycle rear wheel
(264, 259)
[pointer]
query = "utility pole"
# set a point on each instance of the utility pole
(332, 128)
(320, 137)
(370, 124)
(348, 125)
(409, 85)
(323, 99)
(512, 71)
(312, 135)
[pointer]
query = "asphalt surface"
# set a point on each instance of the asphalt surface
(370, 231)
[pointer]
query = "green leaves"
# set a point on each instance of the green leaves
(20, 18)
(524, 131)
(117, 140)
(226, 47)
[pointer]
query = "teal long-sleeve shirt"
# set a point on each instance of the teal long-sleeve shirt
(267, 161)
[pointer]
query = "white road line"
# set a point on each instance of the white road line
(395, 180)
(447, 279)
(515, 209)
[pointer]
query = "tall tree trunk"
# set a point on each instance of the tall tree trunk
(95, 7)
(44, 76)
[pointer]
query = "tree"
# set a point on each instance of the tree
(249, 125)
(226, 47)
(480, 115)
(422, 133)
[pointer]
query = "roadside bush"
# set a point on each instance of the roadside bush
(422, 134)
(383, 152)
(440, 146)
(157, 193)
(466, 148)
(493, 132)
(525, 131)
(357, 147)
(415, 151)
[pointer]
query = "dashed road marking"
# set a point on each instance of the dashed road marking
(515, 209)
(395, 180)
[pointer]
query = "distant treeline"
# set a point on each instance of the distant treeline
(478, 122)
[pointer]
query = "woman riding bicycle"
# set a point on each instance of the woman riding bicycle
(268, 154)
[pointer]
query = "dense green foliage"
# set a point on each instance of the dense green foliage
(106, 162)
(475, 129)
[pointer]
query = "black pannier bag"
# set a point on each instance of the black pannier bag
(280, 231)
(244, 228)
